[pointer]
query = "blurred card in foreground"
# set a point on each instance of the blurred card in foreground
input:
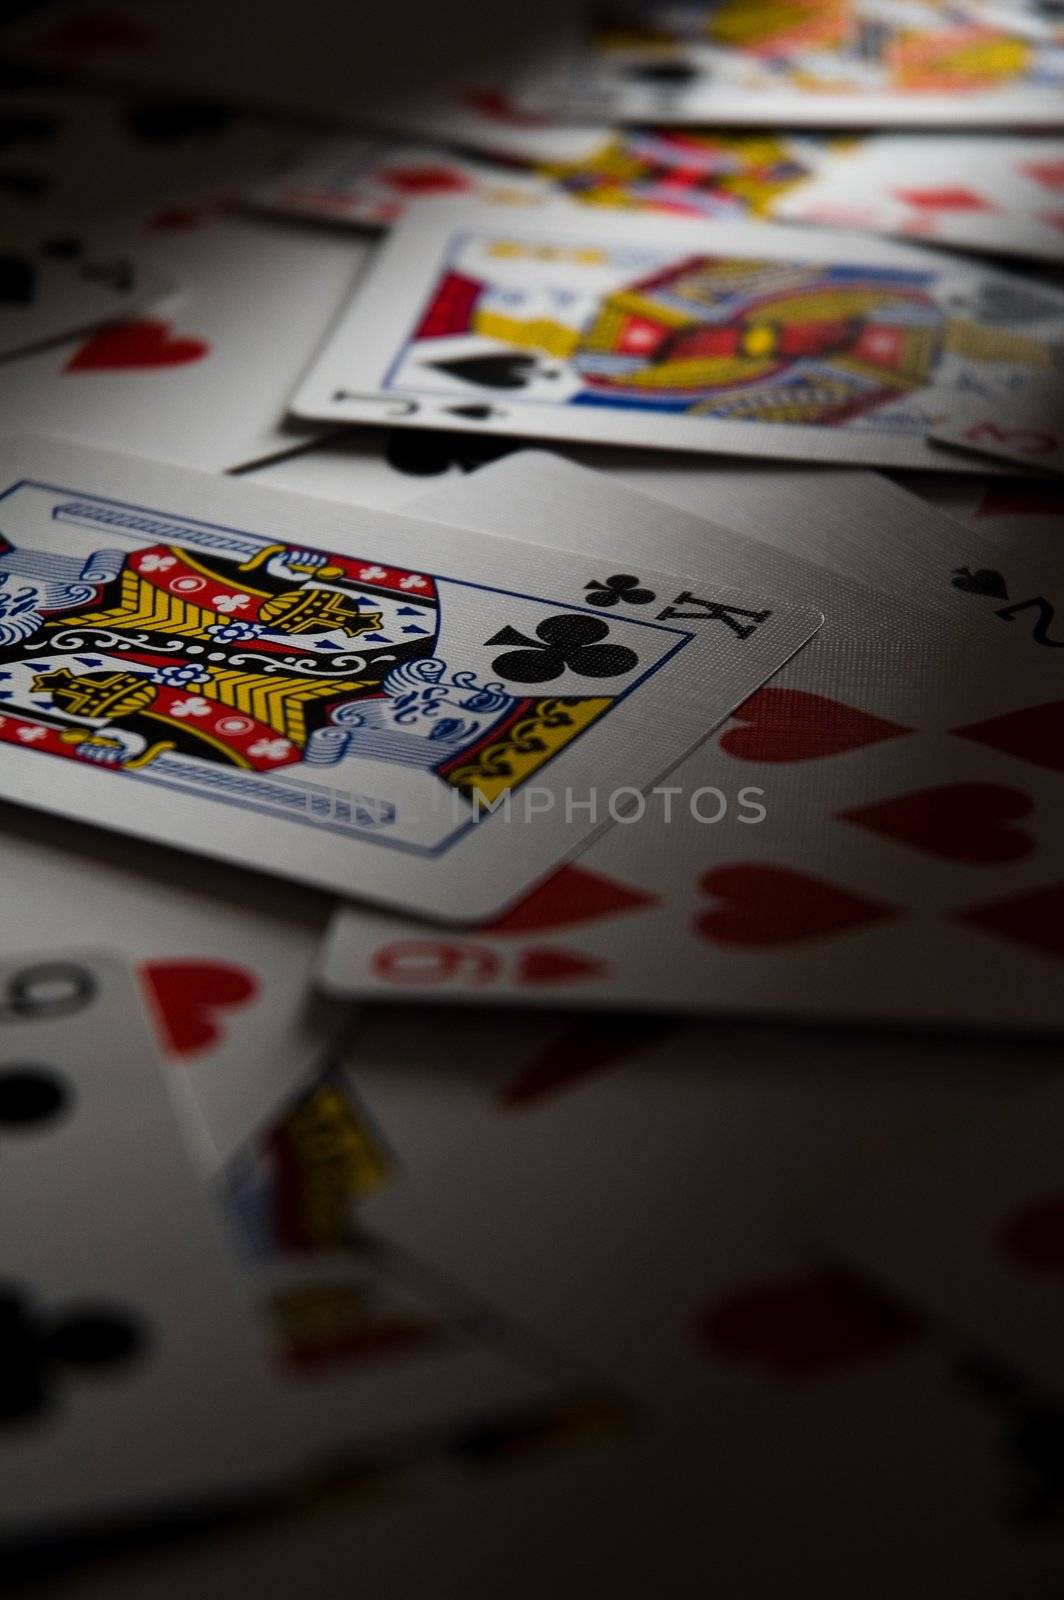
(127, 1341)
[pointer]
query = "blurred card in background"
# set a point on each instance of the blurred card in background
(840, 63)
(60, 281)
(201, 378)
(620, 329)
(1003, 195)
(1025, 428)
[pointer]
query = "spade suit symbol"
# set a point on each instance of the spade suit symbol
(984, 580)
(508, 369)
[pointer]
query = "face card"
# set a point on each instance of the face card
(1002, 195)
(222, 961)
(203, 379)
(62, 282)
(127, 1344)
(367, 1339)
(615, 329)
(1026, 428)
(689, 172)
(855, 65)
(317, 712)
(969, 1226)
(872, 829)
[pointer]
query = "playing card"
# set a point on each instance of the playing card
(968, 1225)
(618, 329)
(690, 172)
(311, 712)
(223, 963)
(857, 64)
(60, 282)
(996, 194)
(1027, 428)
(364, 182)
(127, 1342)
(202, 379)
(370, 1341)
(372, 184)
(871, 830)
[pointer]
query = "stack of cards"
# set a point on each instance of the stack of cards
(531, 749)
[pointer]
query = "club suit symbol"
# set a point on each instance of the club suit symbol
(619, 586)
(35, 1351)
(562, 643)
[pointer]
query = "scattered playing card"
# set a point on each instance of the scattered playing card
(369, 1340)
(63, 282)
(689, 171)
(758, 341)
(854, 65)
(1003, 195)
(222, 960)
(202, 379)
(127, 1340)
(1025, 426)
(854, 843)
(314, 712)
